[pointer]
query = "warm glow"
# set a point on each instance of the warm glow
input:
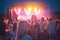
(19, 17)
(27, 11)
(37, 11)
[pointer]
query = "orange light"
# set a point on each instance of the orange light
(35, 9)
(29, 9)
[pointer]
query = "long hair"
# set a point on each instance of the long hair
(22, 28)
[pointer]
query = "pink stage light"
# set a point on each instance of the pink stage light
(28, 11)
(19, 17)
(22, 18)
(17, 11)
(37, 11)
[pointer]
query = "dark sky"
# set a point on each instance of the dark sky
(53, 4)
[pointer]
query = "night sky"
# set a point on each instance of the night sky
(53, 4)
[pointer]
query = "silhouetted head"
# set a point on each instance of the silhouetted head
(42, 19)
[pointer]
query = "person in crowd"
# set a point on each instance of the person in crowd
(33, 20)
(36, 32)
(26, 36)
(2, 29)
(52, 29)
(14, 30)
(43, 29)
(41, 25)
(22, 27)
(58, 27)
(45, 24)
(46, 32)
(10, 26)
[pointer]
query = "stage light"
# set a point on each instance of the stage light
(19, 17)
(37, 11)
(27, 11)
(17, 11)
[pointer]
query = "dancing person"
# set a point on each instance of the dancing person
(52, 29)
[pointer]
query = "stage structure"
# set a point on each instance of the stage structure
(26, 11)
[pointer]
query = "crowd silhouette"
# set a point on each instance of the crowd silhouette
(43, 29)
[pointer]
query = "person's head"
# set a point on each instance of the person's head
(34, 18)
(42, 19)
(51, 19)
(10, 21)
(23, 25)
(6, 21)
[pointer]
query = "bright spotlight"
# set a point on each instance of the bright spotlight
(37, 11)
(27, 11)
(17, 11)
(19, 17)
